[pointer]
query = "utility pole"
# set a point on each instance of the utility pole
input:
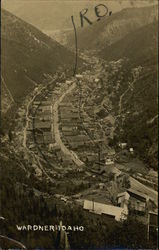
(99, 154)
(93, 204)
(148, 226)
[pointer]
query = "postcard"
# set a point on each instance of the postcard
(79, 124)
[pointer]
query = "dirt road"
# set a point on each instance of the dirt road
(57, 135)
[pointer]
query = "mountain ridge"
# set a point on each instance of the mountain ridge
(111, 29)
(139, 47)
(26, 51)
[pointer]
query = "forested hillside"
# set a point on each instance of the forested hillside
(28, 55)
(111, 29)
(134, 89)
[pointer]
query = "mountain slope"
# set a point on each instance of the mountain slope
(139, 46)
(134, 89)
(27, 55)
(53, 15)
(111, 29)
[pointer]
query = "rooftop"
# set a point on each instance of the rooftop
(132, 191)
(100, 208)
(42, 125)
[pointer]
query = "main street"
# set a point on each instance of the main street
(56, 131)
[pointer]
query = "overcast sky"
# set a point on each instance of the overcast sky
(56, 14)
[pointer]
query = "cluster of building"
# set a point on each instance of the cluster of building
(39, 127)
(41, 134)
(81, 131)
(71, 125)
(128, 202)
(137, 202)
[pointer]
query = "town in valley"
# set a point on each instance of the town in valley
(71, 141)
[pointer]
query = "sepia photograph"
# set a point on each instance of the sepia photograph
(79, 125)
